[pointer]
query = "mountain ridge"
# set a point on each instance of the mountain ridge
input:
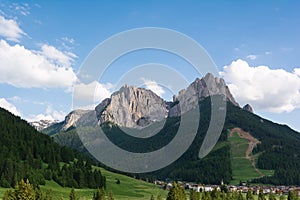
(277, 141)
(135, 107)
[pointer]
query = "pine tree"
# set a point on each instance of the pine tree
(272, 196)
(249, 195)
(3, 182)
(24, 190)
(72, 194)
(110, 196)
(39, 195)
(215, 194)
(261, 195)
(9, 195)
(282, 197)
(234, 195)
(194, 195)
(176, 193)
(292, 195)
(99, 195)
(240, 196)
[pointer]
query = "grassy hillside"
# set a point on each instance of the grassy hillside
(128, 188)
(243, 167)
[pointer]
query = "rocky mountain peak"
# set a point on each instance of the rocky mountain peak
(200, 89)
(135, 107)
(73, 117)
(132, 107)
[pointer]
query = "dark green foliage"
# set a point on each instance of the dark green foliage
(282, 197)
(99, 194)
(272, 196)
(28, 154)
(261, 195)
(194, 195)
(279, 148)
(249, 195)
(224, 188)
(240, 196)
(176, 192)
(24, 190)
(292, 195)
(214, 168)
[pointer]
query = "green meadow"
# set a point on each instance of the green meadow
(242, 168)
(129, 188)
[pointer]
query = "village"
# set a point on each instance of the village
(243, 187)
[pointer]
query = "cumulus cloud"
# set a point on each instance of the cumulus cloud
(87, 95)
(8, 106)
(273, 90)
(297, 71)
(153, 86)
(49, 114)
(10, 29)
(56, 56)
(252, 57)
(48, 68)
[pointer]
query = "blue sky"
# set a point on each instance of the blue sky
(255, 45)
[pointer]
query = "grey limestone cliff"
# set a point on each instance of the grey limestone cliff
(132, 107)
(201, 88)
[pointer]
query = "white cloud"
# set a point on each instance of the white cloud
(8, 106)
(10, 29)
(153, 86)
(86, 95)
(68, 40)
(297, 71)
(56, 56)
(26, 68)
(273, 90)
(49, 114)
(23, 9)
(252, 57)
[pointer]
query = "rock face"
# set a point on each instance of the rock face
(138, 107)
(199, 89)
(72, 119)
(248, 108)
(132, 107)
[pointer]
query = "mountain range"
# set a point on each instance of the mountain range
(134, 107)
(274, 158)
(43, 123)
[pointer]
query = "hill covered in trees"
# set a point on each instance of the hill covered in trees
(28, 154)
(278, 149)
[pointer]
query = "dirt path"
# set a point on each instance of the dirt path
(252, 143)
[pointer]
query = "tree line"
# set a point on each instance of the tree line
(24, 190)
(27, 154)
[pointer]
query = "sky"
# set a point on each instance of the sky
(254, 44)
